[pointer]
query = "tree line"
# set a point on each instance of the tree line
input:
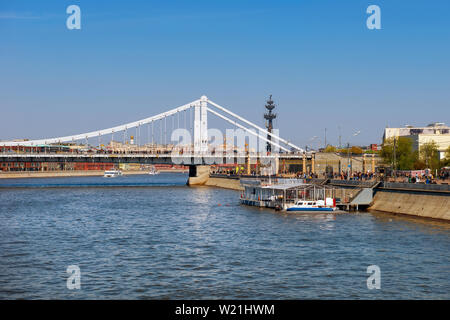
(400, 154)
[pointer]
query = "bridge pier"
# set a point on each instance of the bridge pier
(198, 175)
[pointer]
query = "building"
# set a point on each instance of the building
(437, 128)
(335, 163)
(442, 141)
(436, 132)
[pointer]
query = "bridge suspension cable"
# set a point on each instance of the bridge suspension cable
(91, 134)
(161, 119)
(246, 129)
(255, 126)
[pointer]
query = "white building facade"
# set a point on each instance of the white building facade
(435, 132)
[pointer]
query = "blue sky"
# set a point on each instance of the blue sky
(133, 59)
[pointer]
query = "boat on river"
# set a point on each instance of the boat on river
(112, 173)
(153, 171)
(314, 205)
(288, 195)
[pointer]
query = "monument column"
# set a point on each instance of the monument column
(373, 163)
(304, 163)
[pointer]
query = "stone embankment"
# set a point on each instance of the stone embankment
(225, 183)
(425, 201)
(200, 176)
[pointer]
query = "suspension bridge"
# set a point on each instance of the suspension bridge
(150, 144)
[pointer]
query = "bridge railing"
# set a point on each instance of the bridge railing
(151, 154)
(416, 186)
(353, 183)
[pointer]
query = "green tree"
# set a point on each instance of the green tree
(330, 149)
(446, 160)
(352, 150)
(429, 153)
(419, 164)
(404, 153)
(356, 150)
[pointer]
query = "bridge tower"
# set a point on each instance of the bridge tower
(201, 126)
(269, 116)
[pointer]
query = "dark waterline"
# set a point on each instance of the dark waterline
(150, 237)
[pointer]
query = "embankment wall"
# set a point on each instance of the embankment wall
(200, 176)
(225, 183)
(436, 206)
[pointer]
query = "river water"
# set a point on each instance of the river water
(152, 237)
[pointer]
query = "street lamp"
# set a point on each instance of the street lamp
(312, 140)
(356, 133)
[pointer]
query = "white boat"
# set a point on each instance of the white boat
(314, 205)
(153, 171)
(112, 173)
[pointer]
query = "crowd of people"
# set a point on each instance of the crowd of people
(359, 176)
(421, 176)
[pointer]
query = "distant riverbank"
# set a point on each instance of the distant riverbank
(74, 173)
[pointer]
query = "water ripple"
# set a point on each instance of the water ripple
(146, 237)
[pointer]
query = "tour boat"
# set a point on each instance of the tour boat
(314, 205)
(112, 173)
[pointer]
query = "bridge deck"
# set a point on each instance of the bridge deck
(186, 159)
